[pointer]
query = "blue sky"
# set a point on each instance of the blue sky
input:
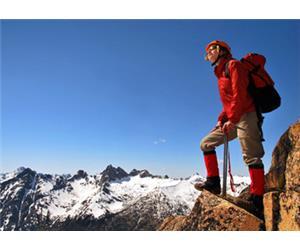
(82, 94)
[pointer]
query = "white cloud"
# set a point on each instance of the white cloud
(159, 141)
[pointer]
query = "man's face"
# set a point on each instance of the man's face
(212, 53)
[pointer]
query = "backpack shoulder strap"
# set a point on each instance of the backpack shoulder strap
(227, 73)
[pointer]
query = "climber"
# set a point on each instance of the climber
(237, 119)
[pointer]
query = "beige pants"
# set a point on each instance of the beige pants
(249, 137)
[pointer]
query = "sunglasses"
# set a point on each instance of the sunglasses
(211, 48)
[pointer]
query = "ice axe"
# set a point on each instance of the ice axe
(226, 160)
(225, 165)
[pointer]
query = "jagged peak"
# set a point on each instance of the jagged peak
(79, 175)
(111, 173)
(145, 173)
(25, 171)
(142, 173)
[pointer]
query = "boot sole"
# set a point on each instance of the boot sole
(211, 191)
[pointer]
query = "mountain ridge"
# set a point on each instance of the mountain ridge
(36, 201)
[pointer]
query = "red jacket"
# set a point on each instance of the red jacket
(233, 91)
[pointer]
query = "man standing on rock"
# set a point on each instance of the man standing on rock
(237, 119)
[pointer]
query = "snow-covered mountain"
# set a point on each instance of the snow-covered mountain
(111, 200)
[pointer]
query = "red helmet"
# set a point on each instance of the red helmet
(220, 43)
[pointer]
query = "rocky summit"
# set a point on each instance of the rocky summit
(281, 200)
(211, 212)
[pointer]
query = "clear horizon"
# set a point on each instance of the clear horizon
(84, 94)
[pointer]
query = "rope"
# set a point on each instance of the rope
(229, 171)
(229, 164)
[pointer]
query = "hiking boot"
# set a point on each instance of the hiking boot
(253, 204)
(258, 203)
(212, 184)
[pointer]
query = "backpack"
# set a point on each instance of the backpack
(261, 86)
